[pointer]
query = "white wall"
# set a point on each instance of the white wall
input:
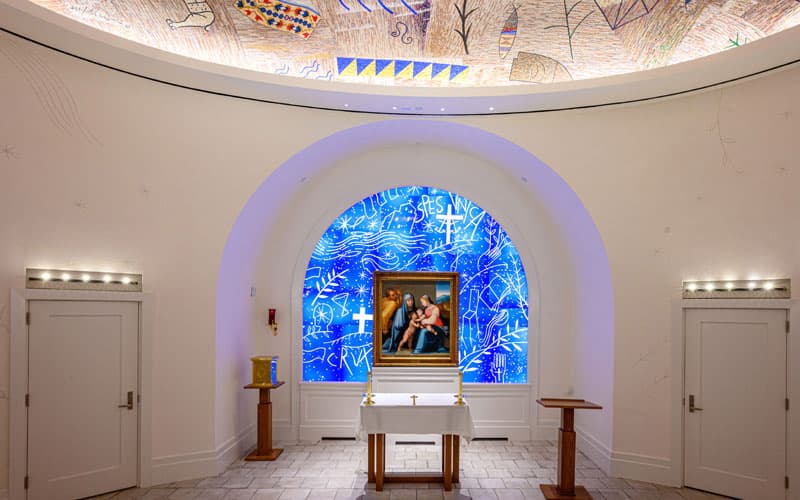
(692, 187)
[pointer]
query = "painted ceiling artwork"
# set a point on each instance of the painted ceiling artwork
(439, 42)
(415, 229)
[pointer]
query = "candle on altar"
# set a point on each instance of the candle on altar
(272, 316)
(460, 383)
(369, 384)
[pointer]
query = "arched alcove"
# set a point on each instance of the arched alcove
(571, 337)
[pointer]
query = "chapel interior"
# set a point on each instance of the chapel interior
(399, 249)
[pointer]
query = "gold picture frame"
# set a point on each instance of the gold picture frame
(416, 319)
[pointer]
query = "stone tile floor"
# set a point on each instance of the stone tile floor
(337, 470)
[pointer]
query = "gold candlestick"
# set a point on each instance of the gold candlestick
(460, 401)
(369, 401)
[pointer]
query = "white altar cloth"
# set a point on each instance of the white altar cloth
(434, 413)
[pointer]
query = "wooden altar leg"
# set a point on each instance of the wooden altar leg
(565, 489)
(380, 456)
(456, 453)
(448, 462)
(443, 454)
(371, 458)
(264, 449)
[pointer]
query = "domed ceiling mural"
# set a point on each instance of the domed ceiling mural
(438, 42)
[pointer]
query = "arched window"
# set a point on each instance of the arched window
(415, 228)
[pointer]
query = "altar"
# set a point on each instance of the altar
(406, 413)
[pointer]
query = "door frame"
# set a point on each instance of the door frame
(18, 383)
(677, 473)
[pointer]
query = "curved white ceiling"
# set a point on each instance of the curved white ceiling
(423, 56)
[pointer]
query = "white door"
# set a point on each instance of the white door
(83, 362)
(735, 435)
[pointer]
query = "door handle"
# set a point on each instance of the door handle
(692, 407)
(130, 402)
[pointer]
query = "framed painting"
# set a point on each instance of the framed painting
(416, 319)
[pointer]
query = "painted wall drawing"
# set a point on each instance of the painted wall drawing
(536, 68)
(281, 15)
(502, 42)
(199, 15)
(415, 229)
(509, 33)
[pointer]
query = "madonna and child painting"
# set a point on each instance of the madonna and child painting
(416, 318)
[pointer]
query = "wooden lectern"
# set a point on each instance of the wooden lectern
(264, 450)
(566, 489)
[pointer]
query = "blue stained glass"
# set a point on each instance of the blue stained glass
(415, 228)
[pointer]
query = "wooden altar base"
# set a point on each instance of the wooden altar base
(376, 464)
(550, 492)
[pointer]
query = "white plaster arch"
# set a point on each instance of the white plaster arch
(275, 233)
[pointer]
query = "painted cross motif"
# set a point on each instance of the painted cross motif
(449, 219)
(362, 317)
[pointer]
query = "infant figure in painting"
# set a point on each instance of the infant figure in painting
(431, 335)
(413, 326)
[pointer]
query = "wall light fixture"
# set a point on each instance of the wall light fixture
(742, 289)
(57, 279)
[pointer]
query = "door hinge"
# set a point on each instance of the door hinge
(786, 482)
(787, 404)
(27, 401)
(27, 318)
(788, 324)
(26, 482)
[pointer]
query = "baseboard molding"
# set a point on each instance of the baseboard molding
(656, 470)
(595, 450)
(172, 468)
(313, 433)
(235, 448)
(513, 433)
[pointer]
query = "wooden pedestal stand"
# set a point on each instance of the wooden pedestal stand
(566, 489)
(264, 450)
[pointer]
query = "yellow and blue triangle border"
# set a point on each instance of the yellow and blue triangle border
(401, 69)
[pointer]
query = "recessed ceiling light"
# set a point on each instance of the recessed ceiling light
(491, 108)
(442, 109)
(346, 105)
(394, 108)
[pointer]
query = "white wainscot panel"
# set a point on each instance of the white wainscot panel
(501, 410)
(331, 410)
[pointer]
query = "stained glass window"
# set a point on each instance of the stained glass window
(415, 228)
